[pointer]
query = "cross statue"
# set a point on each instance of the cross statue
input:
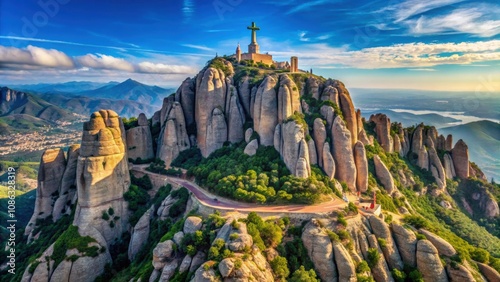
(253, 28)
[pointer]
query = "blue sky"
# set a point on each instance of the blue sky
(440, 44)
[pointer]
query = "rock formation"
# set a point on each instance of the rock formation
(320, 250)
(407, 244)
(345, 167)
(319, 136)
(328, 161)
(383, 131)
(460, 156)
(173, 136)
(294, 149)
(361, 167)
(390, 251)
(50, 174)
(102, 175)
(347, 108)
(235, 117)
(449, 168)
(67, 189)
(140, 141)
(288, 98)
(429, 263)
(384, 175)
(185, 95)
(265, 108)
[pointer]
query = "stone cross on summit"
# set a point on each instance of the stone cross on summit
(253, 47)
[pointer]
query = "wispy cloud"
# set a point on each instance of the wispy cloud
(308, 5)
(422, 69)
(411, 8)
(199, 47)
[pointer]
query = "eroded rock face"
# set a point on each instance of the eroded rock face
(391, 254)
(319, 136)
(264, 111)
(67, 189)
(345, 264)
(173, 136)
(460, 156)
(288, 98)
(407, 244)
(383, 131)
(437, 168)
(320, 250)
(294, 149)
(429, 263)
(489, 272)
(102, 175)
(361, 166)
(342, 154)
(459, 274)
(313, 157)
(251, 148)
(192, 224)
(50, 174)
(449, 168)
(185, 95)
(380, 270)
(216, 132)
(140, 234)
(328, 161)
(384, 175)
(140, 141)
(236, 117)
(347, 108)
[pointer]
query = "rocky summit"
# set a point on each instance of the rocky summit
(179, 196)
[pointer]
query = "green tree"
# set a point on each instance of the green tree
(280, 267)
(301, 275)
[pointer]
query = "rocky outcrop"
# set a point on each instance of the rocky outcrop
(361, 166)
(248, 134)
(383, 131)
(235, 117)
(211, 88)
(328, 161)
(328, 114)
(460, 156)
(251, 147)
(192, 224)
(244, 92)
(423, 158)
(288, 98)
(265, 108)
(102, 175)
(489, 272)
(140, 234)
(67, 189)
(459, 273)
(161, 253)
(330, 93)
(319, 136)
(449, 168)
(50, 174)
(407, 244)
(380, 270)
(347, 108)
(429, 263)
(448, 144)
(311, 146)
(384, 175)
(437, 168)
(140, 141)
(173, 136)
(185, 95)
(216, 132)
(344, 262)
(345, 167)
(391, 254)
(320, 250)
(417, 139)
(294, 149)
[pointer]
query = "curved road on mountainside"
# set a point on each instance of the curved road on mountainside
(217, 202)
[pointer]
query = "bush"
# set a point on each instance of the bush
(362, 267)
(333, 236)
(280, 267)
(301, 275)
(480, 255)
(373, 257)
(421, 236)
(416, 221)
(343, 234)
(399, 276)
(382, 242)
(415, 276)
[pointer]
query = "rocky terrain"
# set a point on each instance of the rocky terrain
(112, 226)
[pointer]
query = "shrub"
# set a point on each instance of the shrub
(105, 215)
(333, 236)
(415, 276)
(362, 267)
(373, 257)
(302, 274)
(280, 267)
(399, 276)
(417, 221)
(421, 237)
(382, 242)
(343, 234)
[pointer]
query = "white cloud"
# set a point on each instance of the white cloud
(148, 67)
(410, 8)
(199, 47)
(34, 57)
(101, 61)
(422, 69)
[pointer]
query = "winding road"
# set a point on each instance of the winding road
(214, 201)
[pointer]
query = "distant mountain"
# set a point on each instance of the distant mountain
(483, 138)
(23, 111)
(67, 87)
(409, 119)
(131, 90)
(87, 105)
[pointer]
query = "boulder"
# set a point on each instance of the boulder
(50, 174)
(448, 145)
(161, 253)
(294, 150)
(444, 248)
(265, 108)
(192, 224)
(345, 264)
(328, 114)
(168, 270)
(320, 250)
(361, 166)
(248, 134)
(312, 86)
(459, 273)
(226, 266)
(380, 270)
(202, 275)
(178, 237)
(173, 136)
(251, 148)
(313, 157)
(345, 167)
(319, 136)
(460, 156)
(384, 175)
(197, 260)
(186, 262)
(489, 272)
(407, 244)
(429, 263)
(330, 93)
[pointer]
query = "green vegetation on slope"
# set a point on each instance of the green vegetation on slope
(262, 178)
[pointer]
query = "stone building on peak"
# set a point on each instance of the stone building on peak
(255, 56)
